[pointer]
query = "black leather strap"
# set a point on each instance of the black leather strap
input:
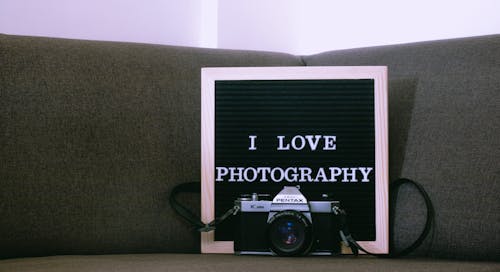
(194, 187)
(188, 187)
(394, 189)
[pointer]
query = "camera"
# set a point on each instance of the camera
(289, 225)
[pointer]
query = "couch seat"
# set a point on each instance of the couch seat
(219, 263)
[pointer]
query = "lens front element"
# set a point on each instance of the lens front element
(290, 233)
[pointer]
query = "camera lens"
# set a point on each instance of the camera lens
(289, 233)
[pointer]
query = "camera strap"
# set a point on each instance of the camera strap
(194, 187)
(394, 189)
(347, 239)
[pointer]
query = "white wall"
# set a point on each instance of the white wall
(260, 25)
(174, 22)
(294, 26)
(306, 27)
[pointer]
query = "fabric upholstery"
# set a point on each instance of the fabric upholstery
(93, 135)
(444, 126)
(221, 263)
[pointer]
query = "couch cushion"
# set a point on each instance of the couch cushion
(93, 135)
(220, 263)
(444, 132)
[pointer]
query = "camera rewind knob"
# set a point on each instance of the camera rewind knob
(255, 197)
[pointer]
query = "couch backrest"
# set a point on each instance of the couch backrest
(444, 127)
(93, 135)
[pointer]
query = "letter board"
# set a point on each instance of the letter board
(322, 128)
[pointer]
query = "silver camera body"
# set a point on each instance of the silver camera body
(287, 225)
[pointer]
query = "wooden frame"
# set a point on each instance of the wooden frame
(377, 73)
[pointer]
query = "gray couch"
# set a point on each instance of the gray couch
(94, 135)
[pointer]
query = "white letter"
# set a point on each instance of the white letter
(305, 174)
(313, 144)
(302, 142)
(352, 175)
(262, 171)
(321, 175)
(238, 174)
(273, 176)
(280, 143)
(291, 177)
(335, 172)
(221, 171)
(252, 142)
(254, 175)
(365, 171)
(330, 142)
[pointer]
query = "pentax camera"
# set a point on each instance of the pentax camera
(289, 225)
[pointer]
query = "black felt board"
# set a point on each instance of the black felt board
(271, 108)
